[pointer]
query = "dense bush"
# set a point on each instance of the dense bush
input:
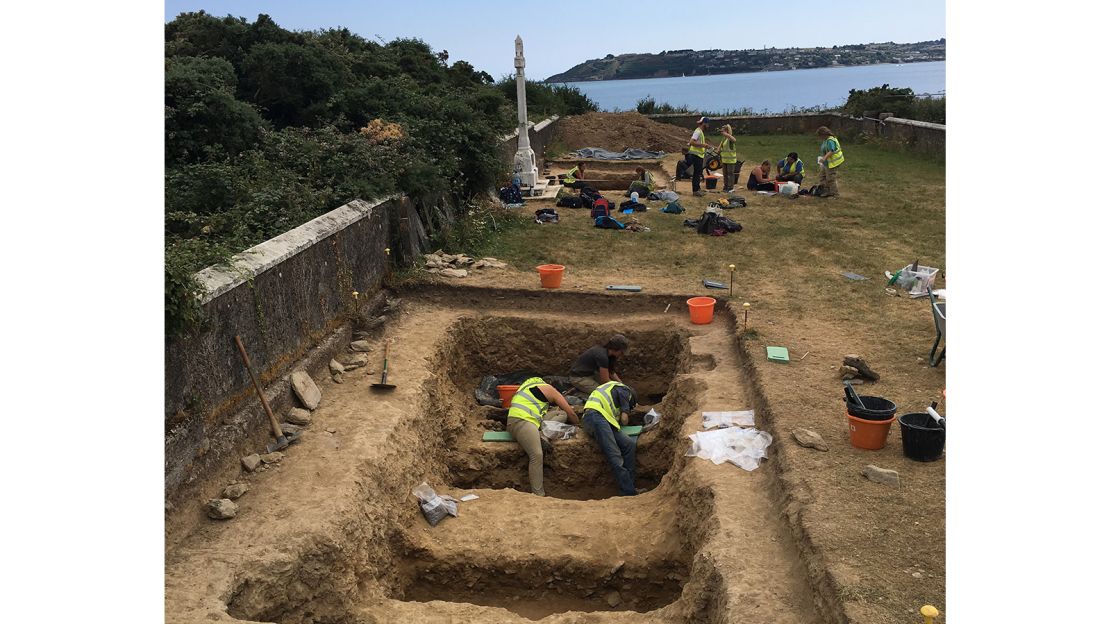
(900, 101)
(545, 100)
(263, 133)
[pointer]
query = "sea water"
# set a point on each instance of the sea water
(765, 92)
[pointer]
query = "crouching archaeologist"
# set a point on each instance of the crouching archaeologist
(526, 412)
(598, 365)
(606, 410)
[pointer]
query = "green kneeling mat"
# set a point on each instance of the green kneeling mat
(505, 436)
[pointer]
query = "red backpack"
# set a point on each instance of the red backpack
(600, 208)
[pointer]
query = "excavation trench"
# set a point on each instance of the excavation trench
(702, 545)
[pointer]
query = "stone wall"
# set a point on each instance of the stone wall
(915, 136)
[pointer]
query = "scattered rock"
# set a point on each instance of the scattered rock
(860, 364)
(235, 490)
(299, 417)
(205, 445)
(616, 568)
(882, 475)
(305, 389)
(360, 345)
(330, 429)
(613, 598)
(916, 575)
(222, 509)
(335, 367)
(250, 462)
(854, 382)
(848, 372)
(351, 361)
(289, 429)
(272, 458)
(375, 323)
(809, 439)
(453, 272)
(337, 378)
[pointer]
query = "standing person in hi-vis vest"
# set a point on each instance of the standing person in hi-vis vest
(831, 159)
(527, 411)
(606, 410)
(695, 157)
(728, 157)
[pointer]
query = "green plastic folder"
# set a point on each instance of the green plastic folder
(778, 354)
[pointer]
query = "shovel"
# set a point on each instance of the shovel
(385, 372)
(282, 440)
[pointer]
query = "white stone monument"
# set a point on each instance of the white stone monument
(524, 163)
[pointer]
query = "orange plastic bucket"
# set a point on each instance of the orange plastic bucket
(701, 310)
(551, 275)
(507, 393)
(868, 434)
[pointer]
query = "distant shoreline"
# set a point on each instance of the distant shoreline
(762, 71)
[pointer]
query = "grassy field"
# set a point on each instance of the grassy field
(789, 259)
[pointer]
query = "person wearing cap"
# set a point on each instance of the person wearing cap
(728, 157)
(790, 169)
(830, 160)
(598, 365)
(574, 177)
(696, 156)
(644, 183)
(527, 411)
(609, 407)
(760, 178)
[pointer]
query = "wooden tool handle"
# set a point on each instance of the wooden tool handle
(257, 388)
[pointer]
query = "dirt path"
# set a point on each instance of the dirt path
(333, 535)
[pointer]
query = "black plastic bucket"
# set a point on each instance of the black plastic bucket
(922, 437)
(874, 408)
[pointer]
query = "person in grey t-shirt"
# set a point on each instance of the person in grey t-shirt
(598, 365)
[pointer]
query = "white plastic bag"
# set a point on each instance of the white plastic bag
(434, 506)
(788, 188)
(555, 430)
(741, 418)
(651, 419)
(742, 447)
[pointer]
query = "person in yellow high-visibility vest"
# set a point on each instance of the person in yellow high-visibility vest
(527, 411)
(574, 177)
(728, 157)
(831, 158)
(606, 410)
(696, 155)
(790, 169)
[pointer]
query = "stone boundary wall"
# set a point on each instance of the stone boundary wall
(290, 301)
(915, 136)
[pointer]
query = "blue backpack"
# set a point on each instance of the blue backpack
(608, 222)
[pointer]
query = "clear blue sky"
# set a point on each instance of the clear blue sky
(482, 32)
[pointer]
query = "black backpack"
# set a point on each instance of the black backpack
(709, 222)
(569, 202)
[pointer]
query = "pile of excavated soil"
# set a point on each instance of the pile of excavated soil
(618, 132)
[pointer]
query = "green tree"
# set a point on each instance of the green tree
(202, 116)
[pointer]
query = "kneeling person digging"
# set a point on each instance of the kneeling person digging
(526, 413)
(606, 410)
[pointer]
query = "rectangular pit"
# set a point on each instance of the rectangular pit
(576, 468)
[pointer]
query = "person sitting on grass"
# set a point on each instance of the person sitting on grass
(790, 169)
(759, 179)
(574, 178)
(598, 365)
(682, 169)
(606, 410)
(644, 183)
(527, 411)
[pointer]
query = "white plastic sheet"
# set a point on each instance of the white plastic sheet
(743, 447)
(741, 418)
